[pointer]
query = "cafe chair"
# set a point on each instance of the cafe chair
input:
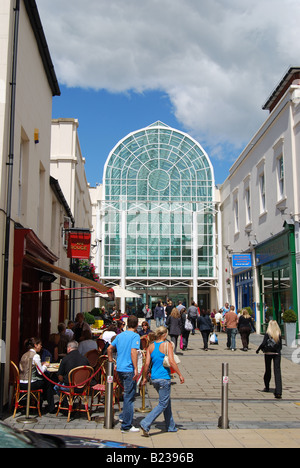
(77, 378)
(93, 357)
(20, 396)
(98, 391)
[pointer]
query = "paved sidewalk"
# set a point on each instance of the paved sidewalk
(257, 419)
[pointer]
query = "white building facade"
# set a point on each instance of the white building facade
(260, 211)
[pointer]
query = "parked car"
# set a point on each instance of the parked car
(14, 438)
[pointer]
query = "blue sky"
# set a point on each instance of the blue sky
(204, 67)
(106, 118)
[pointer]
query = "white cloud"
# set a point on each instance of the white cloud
(218, 60)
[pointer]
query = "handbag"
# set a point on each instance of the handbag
(166, 362)
(188, 325)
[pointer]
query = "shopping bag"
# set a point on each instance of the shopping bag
(214, 339)
(181, 342)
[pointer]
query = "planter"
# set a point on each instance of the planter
(290, 334)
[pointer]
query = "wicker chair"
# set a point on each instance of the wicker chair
(20, 396)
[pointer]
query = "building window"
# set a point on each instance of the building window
(280, 178)
(262, 189)
(248, 205)
(236, 215)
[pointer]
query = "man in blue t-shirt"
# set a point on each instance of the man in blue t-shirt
(127, 345)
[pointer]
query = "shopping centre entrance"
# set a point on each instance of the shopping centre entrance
(152, 298)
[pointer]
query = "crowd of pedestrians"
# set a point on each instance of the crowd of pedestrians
(174, 321)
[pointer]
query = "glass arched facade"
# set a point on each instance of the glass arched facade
(158, 208)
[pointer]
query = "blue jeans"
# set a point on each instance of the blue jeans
(129, 385)
(163, 387)
(231, 335)
(160, 321)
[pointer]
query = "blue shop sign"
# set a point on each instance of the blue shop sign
(242, 261)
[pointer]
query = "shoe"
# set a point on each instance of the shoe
(233, 349)
(145, 433)
(132, 429)
(278, 396)
(265, 390)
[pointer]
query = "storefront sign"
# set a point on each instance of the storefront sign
(79, 244)
(273, 249)
(242, 261)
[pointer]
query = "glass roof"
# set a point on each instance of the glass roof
(158, 163)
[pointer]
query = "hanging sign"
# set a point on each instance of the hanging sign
(242, 261)
(79, 243)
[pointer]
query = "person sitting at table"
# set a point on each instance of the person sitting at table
(120, 327)
(70, 361)
(145, 329)
(79, 327)
(144, 333)
(87, 344)
(109, 333)
(108, 336)
(63, 341)
(52, 346)
(34, 346)
(69, 330)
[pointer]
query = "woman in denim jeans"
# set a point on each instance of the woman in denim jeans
(161, 380)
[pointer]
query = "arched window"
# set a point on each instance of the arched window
(160, 183)
(158, 163)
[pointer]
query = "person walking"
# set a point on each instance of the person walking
(225, 309)
(231, 320)
(147, 314)
(218, 319)
(244, 328)
(205, 327)
(127, 345)
(159, 314)
(161, 380)
(193, 314)
(271, 347)
(184, 332)
(173, 324)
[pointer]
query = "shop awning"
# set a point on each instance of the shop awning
(121, 292)
(43, 265)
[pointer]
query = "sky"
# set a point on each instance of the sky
(205, 67)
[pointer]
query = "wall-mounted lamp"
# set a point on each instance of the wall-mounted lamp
(36, 136)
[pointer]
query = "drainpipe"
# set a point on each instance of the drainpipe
(9, 195)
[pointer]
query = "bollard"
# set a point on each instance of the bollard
(223, 420)
(109, 389)
(27, 419)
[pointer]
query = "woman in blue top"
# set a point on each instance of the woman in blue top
(161, 380)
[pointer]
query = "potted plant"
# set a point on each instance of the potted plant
(289, 318)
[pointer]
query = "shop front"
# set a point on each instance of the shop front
(34, 290)
(276, 263)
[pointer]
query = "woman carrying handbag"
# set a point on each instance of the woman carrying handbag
(161, 380)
